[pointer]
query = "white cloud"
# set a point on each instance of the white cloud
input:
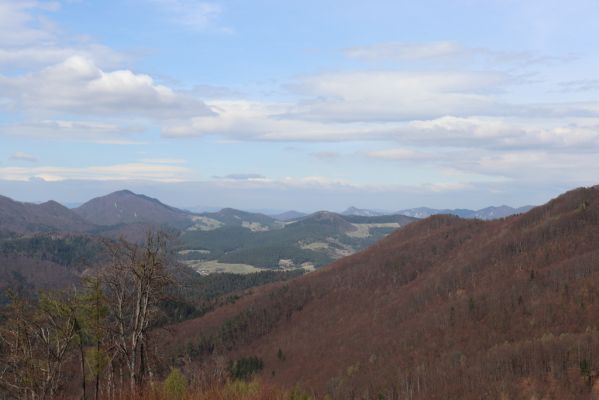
(406, 51)
(36, 55)
(29, 39)
(459, 120)
(262, 121)
(69, 129)
(22, 156)
(241, 177)
(47, 77)
(77, 85)
(19, 26)
(447, 186)
(539, 165)
(401, 154)
(244, 120)
(511, 133)
(397, 95)
(164, 160)
(449, 51)
(127, 171)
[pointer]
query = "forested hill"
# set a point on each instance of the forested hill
(126, 207)
(18, 217)
(445, 308)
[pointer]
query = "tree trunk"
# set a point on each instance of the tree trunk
(97, 388)
(82, 356)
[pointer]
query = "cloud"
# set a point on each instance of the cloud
(502, 165)
(62, 86)
(447, 186)
(397, 95)
(246, 120)
(402, 154)
(29, 39)
(127, 171)
(251, 121)
(164, 160)
(21, 156)
(507, 133)
(77, 85)
(100, 132)
(449, 51)
(406, 51)
(19, 26)
(194, 15)
(36, 55)
(537, 165)
(445, 105)
(241, 177)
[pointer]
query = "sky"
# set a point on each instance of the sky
(302, 105)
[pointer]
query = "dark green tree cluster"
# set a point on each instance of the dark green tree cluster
(245, 367)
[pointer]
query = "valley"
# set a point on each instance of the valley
(390, 303)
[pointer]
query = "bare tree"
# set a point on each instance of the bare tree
(134, 284)
(34, 342)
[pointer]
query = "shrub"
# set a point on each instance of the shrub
(175, 385)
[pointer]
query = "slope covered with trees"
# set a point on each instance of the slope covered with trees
(444, 308)
(20, 218)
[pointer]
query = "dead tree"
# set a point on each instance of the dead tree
(135, 281)
(34, 343)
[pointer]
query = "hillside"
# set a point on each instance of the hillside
(256, 241)
(50, 216)
(46, 261)
(126, 207)
(445, 308)
(252, 221)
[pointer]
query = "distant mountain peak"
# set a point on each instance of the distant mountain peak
(124, 206)
(124, 192)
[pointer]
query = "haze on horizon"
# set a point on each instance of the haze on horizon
(307, 105)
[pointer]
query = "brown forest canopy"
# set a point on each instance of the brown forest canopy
(445, 308)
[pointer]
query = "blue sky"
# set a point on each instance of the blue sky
(306, 105)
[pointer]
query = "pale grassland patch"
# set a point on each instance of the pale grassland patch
(188, 251)
(213, 266)
(254, 226)
(314, 246)
(332, 247)
(286, 263)
(308, 266)
(204, 224)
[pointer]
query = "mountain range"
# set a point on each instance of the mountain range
(445, 308)
(228, 240)
(487, 213)
(50, 216)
